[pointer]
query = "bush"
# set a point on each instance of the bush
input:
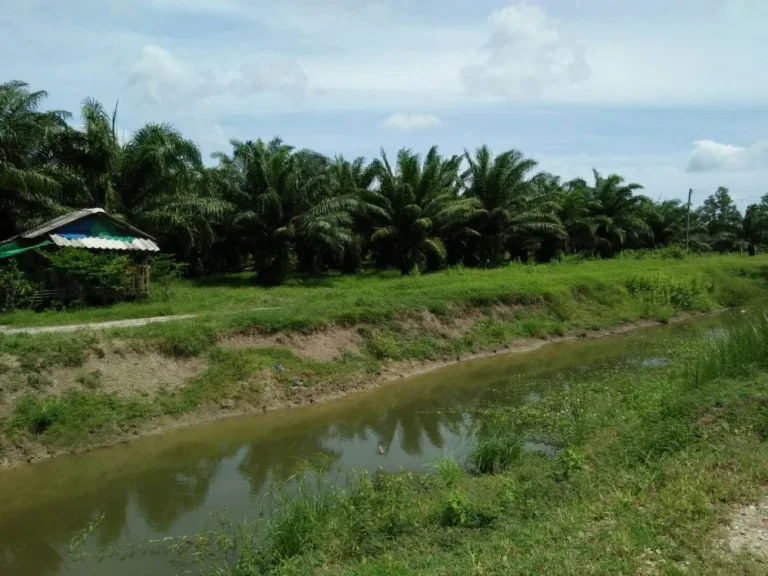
(103, 277)
(164, 272)
(660, 290)
(15, 289)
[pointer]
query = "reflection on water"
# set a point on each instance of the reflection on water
(169, 485)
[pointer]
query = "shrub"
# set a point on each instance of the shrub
(37, 415)
(164, 272)
(457, 510)
(660, 289)
(103, 277)
(15, 289)
(460, 512)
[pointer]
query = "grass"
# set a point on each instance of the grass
(469, 311)
(650, 469)
(371, 296)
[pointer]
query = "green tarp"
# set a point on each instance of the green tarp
(14, 248)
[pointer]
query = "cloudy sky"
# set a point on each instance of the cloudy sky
(671, 93)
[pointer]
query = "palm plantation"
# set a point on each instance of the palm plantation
(280, 210)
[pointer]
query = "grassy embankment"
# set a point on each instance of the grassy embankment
(68, 391)
(656, 458)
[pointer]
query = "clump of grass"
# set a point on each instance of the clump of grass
(496, 453)
(299, 513)
(187, 343)
(447, 470)
(38, 381)
(734, 352)
(460, 512)
(73, 417)
(91, 380)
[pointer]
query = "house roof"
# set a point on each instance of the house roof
(52, 225)
(78, 229)
(94, 243)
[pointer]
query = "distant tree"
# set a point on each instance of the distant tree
(617, 212)
(279, 201)
(412, 204)
(755, 225)
(723, 221)
(513, 210)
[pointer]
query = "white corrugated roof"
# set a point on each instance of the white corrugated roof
(138, 244)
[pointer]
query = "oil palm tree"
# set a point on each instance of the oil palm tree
(411, 205)
(511, 209)
(277, 201)
(620, 224)
(29, 170)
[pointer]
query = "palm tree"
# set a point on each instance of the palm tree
(277, 202)
(411, 205)
(511, 209)
(348, 180)
(579, 213)
(620, 224)
(29, 186)
(667, 222)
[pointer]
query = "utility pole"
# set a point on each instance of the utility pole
(688, 219)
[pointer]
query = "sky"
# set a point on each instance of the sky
(672, 94)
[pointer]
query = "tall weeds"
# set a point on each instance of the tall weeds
(734, 351)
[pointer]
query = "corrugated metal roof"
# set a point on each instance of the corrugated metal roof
(60, 221)
(52, 225)
(138, 244)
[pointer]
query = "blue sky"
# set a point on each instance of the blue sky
(672, 94)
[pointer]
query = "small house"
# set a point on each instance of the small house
(90, 229)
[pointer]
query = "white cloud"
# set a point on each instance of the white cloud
(524, 55)
(403, 122)
(711, 156)
(274, 73)
(165, 78)
(160, 75)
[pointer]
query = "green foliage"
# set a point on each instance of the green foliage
(299, 514)
(187, 344)
(732, 352)
(165, 272)
(103, 277)
(663, 290)
(15, 289)
(68, 420)
(457, 510)
(498, 444)
(448, 470)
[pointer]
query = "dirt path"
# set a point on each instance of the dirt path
(95, 325)
(106, 325)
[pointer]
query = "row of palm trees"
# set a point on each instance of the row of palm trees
(278, 209)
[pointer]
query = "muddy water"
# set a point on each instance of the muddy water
(169, 485)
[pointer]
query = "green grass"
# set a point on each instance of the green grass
(233, 299)
(651, 468)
